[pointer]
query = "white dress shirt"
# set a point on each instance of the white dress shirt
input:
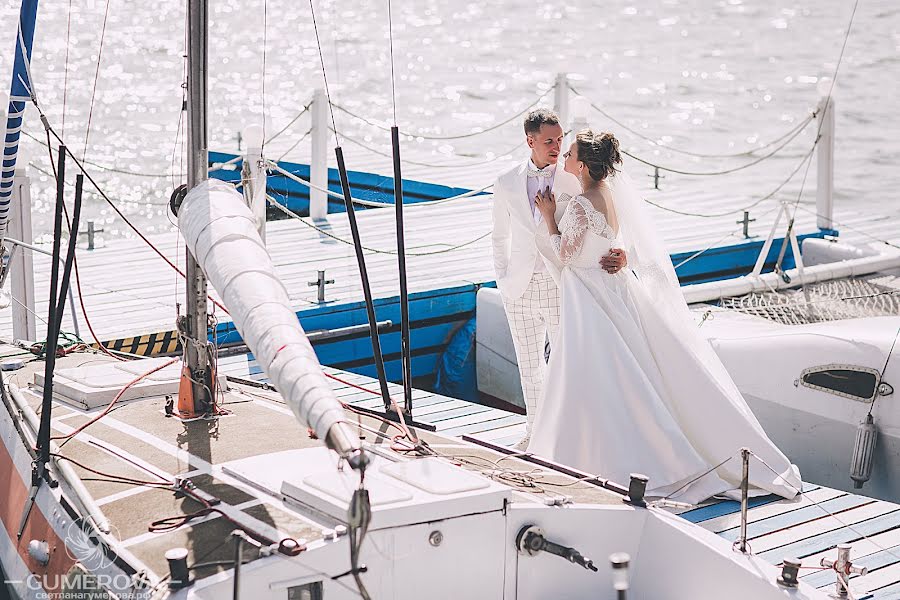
(534, 185)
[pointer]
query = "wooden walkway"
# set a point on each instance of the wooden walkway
(129, 291)
(452, 417)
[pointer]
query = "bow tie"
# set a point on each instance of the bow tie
(547, 173)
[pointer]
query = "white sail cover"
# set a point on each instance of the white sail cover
(221, 232)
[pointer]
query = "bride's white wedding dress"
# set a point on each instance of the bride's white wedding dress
(630, 389)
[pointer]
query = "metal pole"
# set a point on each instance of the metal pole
(745, 492)
(196, 322)
(238, 559)
(404, 292)
(364, 277)
(43, 440)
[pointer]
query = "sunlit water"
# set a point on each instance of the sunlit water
(702, 75)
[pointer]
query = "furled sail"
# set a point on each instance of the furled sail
(221, 232)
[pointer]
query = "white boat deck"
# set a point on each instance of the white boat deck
(129, 291)
(808, 527)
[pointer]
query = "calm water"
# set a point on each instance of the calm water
(702, 75)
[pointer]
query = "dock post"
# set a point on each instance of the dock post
(22, 263)
(253, 177)
(825, 157)
(561, 98)
(318, 164)
(579, 118)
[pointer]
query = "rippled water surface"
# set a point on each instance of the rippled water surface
(707, 76)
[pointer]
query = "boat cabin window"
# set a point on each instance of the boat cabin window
(858, 383)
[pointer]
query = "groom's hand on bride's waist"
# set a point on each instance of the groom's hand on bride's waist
(614, 261)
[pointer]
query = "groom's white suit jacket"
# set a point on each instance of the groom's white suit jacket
(517, 237)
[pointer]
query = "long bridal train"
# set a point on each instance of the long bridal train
(631, 385)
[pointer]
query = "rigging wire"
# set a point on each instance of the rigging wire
(391, 46)
(324, 76)
(264, 56)
(87, 131)
(112, 205)
(827, 104)
(66, 75)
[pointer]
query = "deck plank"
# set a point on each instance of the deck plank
(816, 537)
(725, 522)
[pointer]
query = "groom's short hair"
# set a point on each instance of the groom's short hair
(541, 116)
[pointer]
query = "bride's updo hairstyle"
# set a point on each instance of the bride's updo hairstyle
(599, 152)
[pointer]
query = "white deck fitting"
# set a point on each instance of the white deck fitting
(91, 386)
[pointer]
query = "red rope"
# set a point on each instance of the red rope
(114, 400)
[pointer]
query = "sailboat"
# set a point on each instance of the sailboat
(160, 478)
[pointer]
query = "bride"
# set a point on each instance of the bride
(631, 385)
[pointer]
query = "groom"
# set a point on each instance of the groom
(526, 266)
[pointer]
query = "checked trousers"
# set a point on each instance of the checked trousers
(531, 317)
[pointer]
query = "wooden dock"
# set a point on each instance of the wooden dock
(131, 294)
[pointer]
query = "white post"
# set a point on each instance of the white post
(22, 266)
(561, 98)
(579, 118)
(318, 164)
(253, 175)
(825, 158)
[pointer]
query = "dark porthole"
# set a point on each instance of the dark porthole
(855, 383)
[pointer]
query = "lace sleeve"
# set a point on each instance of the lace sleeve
(572, 227)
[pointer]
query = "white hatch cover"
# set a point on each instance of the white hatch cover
(402, 492)
(96, 385)
(436, 476)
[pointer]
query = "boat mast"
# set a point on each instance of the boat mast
(198, 367)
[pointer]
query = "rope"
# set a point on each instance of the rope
(109, 407)
(432, 165)
(294, 120)
(746, 208)
(297, 143)
(699, 477)
(87, 131)
(449, 137)
(723, 171)
(653, 142)
(115, 208)
(843, 225)
(837, 68)
(715, 244)
(369, 203)
(294, 215)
